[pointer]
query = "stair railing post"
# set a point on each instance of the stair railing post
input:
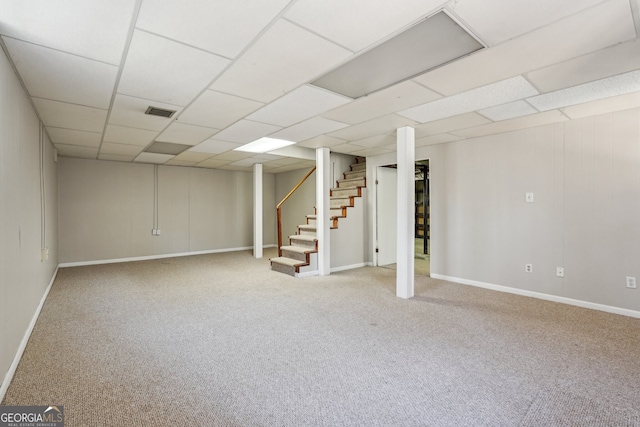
(279, 208)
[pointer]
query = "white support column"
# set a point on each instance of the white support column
(406, 210)
(257, 210)
(323, 185)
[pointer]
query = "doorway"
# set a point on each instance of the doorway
(386, 223)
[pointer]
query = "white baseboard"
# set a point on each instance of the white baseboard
(350, 267)
(307, 273)
(25, 339)
(150, 257)
(540, 295)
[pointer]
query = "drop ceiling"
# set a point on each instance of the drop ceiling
(238, 71)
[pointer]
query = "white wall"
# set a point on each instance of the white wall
(585, 176)
(107, 210)
(23, 277)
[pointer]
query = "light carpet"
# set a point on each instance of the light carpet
(220, 340)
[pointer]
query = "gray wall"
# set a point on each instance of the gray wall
(107, 210)
(300, 203)
(585, 176)
(23, 277)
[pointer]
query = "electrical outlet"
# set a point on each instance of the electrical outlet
(158, 232)
(631, 282)
(560, 271)
(153, 232)
(44, 254)
(528, 197)
(528, 268)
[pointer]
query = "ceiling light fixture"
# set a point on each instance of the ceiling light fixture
(264, 145)
(433, 42)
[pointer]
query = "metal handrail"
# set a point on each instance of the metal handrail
(279, 210)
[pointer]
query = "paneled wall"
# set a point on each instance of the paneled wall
(585, 176)
(108, 210)
(28, 214)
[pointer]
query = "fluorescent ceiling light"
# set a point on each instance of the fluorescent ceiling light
(429, 44)
(502, 92)
(264, 145)
(593, 91)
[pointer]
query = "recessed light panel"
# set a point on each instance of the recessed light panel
(166, 148)
(429, 44)
(264, 145)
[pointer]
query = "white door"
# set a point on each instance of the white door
(386, 196)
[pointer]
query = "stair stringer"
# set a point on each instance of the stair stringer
(350, 241)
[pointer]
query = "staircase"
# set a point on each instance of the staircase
(300, 256)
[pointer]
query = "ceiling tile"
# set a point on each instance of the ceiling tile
(127, 135)
(212, 163)
(298, 105)
(229, 167)
(217, 110)
(309, 129)
(116, 157)
(129, 111)
(377, 140)
(191, 156)
(153, 158)
(284, 162)
(513, 124)
(587, 92)
(70, 116)
(74, 137)
(282, 59)
(512, 89)
(233, 156)
(383, 124)
(496, 21)
(99, 29)
(120, 149)
(373, 151)
(608, 105)
(181, 133)
(321, 141)
(617, 59)
(536, 49)
(449, 124)
(508, 111)
(246, 131)
(167, 71)
(214, 146)
(399, 97)
(347, 148)
(335, 19)
(218, 26)
(59, 76)
(248, 162)
(77, 151)
(436, 139)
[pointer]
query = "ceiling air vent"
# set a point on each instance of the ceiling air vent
(154, 111)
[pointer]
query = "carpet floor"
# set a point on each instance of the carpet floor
(220, 340)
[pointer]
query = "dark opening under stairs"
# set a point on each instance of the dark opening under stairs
(301, 255)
